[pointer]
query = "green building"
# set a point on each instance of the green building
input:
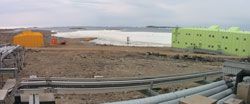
(231, 42)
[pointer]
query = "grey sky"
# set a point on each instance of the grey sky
(124, 12)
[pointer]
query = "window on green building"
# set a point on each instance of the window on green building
(237, 38)
(244, 50)
(225, 48)
(236, 49)
(245, 39)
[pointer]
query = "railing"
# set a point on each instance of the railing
(82, 86)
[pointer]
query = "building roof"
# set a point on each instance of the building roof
(218, 29)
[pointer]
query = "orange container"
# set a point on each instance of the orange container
(29, 39)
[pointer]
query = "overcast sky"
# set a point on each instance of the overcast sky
(124, 12)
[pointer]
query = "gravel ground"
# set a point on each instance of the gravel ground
(88, 64)
(108, 61)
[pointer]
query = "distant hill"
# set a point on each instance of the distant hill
(160, 27)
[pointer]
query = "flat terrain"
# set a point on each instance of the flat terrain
(87, 60)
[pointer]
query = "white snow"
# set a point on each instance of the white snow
(116, 37)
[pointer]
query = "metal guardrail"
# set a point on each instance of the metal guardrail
(110, 79)
(82, 86)
(13, 71)
(234, 68)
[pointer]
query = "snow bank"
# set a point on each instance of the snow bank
(116, 37)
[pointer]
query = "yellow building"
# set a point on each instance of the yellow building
(29, 39)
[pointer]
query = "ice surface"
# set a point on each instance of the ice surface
(116, 37)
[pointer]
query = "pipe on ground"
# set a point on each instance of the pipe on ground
(173, 95)
(226, 98)
(203, 93)
(222, 94)
(213, 91)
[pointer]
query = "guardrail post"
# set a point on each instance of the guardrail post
(205, 78)
(151, 85)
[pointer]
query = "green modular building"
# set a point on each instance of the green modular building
(230, 42)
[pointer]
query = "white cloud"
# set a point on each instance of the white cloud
(124, 12)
